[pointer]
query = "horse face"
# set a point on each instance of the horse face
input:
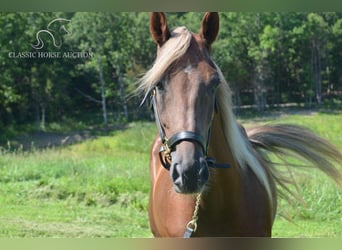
(185, 100)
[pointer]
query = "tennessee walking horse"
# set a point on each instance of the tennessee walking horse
(209, 176)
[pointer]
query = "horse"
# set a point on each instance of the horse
(210, 177)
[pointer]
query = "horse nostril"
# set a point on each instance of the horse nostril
(204, 174)
(204, 171)
(176, 174)
(191, 179)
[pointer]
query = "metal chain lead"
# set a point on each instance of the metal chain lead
(192, 225)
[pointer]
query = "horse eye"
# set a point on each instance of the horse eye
(214, 83)
(161, 85)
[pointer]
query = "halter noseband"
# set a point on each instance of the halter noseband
(169, 143)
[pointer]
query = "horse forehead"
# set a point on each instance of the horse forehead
(197, 50)
(198, 58)
(201, 69)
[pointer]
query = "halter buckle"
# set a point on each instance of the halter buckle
(165, 155)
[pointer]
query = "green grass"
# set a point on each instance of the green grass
(320, 215)
(99, 188)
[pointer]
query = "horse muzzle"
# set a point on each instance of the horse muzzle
(189, 174)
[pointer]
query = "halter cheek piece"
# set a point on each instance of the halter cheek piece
(170, 143)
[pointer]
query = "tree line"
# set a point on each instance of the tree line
(56, 66)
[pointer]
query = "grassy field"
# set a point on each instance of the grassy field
(99, 187)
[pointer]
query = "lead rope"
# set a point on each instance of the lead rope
(191, 227)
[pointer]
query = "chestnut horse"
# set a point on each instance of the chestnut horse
(209, 176)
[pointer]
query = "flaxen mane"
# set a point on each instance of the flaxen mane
(173, 49)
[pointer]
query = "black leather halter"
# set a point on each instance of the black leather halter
(169, 143)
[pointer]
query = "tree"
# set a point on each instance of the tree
(267, 58)
(111, 39)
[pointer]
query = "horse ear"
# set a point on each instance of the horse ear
(210, 27)
(158, 28)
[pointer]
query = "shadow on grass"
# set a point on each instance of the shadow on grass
(45, 139)
(55, 137)
(252, 114)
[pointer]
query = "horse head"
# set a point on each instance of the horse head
(184, 94)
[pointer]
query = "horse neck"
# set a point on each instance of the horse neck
(223, 191)
(218, 146)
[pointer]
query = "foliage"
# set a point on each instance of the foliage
(268, 58)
